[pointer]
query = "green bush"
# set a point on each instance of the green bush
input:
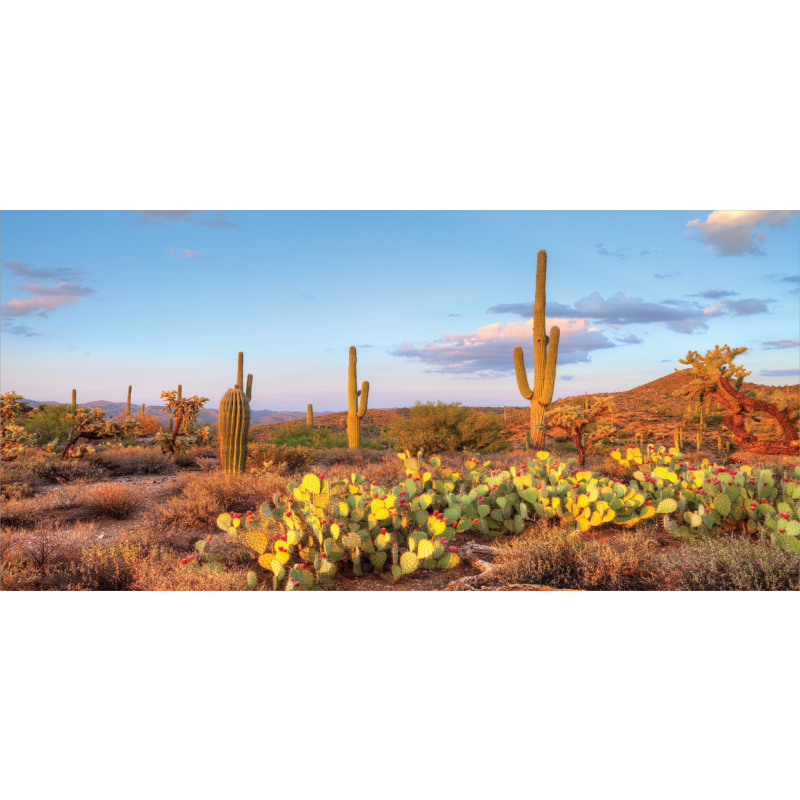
(49, 423)
(441, 427)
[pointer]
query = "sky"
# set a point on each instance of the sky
(434, 301)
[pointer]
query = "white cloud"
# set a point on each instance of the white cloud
(733, 233)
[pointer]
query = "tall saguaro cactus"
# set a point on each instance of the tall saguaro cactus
(233, 423)
(310, 416)
(74, 403)
(355, 410)
(128, 406)
(545, 353)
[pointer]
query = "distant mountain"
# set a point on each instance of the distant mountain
(206, 417)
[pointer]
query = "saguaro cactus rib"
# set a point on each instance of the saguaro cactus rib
(545, 353)
(355, 410)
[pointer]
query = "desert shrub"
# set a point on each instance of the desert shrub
(45, 547)
(49, 423)
(113, 499)
(134, 461)
(109, 566)
(184, 459)
(28, 511)
(731, 564)
(345, 457)
(665, 411)
(276, 458)
(15, 491)
(45, 468)
(205, 496)
(165, 572)
(442, 427)
(565, 560)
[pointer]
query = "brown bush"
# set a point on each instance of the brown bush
(206, 495)
(38, 468)
(43, 554)
(112, 499)
(564, 560)
(279, 459)
(135, 461)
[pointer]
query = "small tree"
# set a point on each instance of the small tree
(715, 377)
(13, 436)
(183, 412)
(575, 421)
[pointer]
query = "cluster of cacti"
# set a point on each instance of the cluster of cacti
(355, 410)
(545, 353)
(323, 528)
(233, 424)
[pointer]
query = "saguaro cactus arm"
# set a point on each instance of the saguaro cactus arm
(522, 376)
(364, 392)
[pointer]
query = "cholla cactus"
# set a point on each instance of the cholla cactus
(183, 413)
(545, 353)
(575, 421)
(13, 436)
(715, 376)
(91, 424)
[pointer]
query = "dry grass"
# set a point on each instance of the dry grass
(276, 458)
(558, 558)
(28, 511)
(731, 564)
(135, 461)
(35, 467)
(44, 557)
(112, 499)
(205, 496)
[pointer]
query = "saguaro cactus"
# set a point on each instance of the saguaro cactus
(128, 406)
(355, 410)
(310, 416)
(545, 353)
(74, 399)
(141, 414)
(233, 426)
(249, 390)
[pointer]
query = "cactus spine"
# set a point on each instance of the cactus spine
(310, 415)
(128, 405)
(545, 353)
(233, 425)
(355, 411)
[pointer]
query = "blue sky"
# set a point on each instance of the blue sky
(434, 301)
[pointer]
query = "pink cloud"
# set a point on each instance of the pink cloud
(46, 299)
